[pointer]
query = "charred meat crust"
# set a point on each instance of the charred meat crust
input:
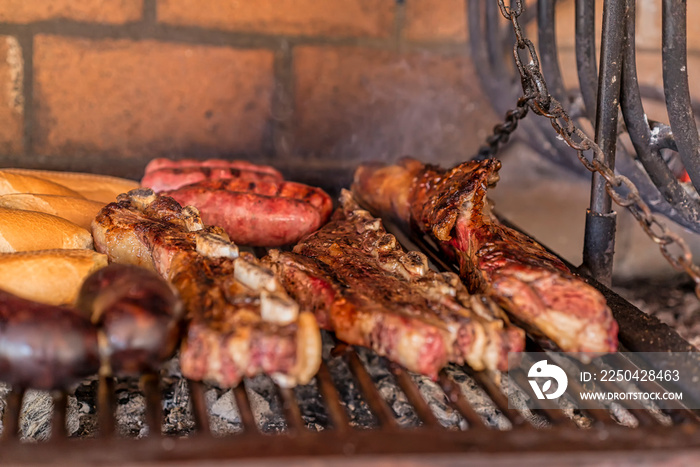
(365, 288)
(535, 287)
(228, 336)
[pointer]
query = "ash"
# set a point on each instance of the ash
(388, 388)
(671, 300)
(675, 305)
(439, 403)
(311, 406)
(359, 415)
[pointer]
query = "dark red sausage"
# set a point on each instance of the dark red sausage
(138, 313)
(165, 163)
(165, 174)
(258, 213)
(44, 346)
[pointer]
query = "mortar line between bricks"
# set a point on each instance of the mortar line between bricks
(133, 167)
(202, 36)
(149, 13)
(26, 43)
(399, 24)
(282, 107)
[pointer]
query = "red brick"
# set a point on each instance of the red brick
(566, 22)
(354, 103)
(436, 20)
(372, 18)
(648, 30)
(124, 98)
(11, 97)
(103, 11)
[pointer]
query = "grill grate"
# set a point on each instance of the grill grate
(543, 432)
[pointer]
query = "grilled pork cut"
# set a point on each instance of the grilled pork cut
(258, 213)
(240, 321)
(535, 287)
(363, 286)
(163, 174)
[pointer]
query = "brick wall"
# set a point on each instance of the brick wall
(108, 84)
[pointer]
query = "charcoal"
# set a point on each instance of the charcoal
(313, 412)
(224, 417)
(675, 304)
(672, 300)
(376, 366)
(439, 404)
(265, 404)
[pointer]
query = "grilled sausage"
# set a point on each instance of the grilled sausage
(138, 316)
(258, 213)
(165, 174)
(44, 346)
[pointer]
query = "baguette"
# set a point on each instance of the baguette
(11, 182)
(29, 230)
(53, 277)
(80, 211)
(102, 188)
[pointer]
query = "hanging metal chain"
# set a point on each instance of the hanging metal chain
(620, 188)
(502, 131)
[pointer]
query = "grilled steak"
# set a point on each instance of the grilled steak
(165, 174)
(240, 322)
(258, 213)
(364, 287)
(535, 287)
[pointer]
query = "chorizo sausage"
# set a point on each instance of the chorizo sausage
(258, 213)
(165, 174)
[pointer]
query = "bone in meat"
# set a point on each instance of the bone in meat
(534, 286)
(363, 286)
(235, 328)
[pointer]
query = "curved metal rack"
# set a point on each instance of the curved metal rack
(646, 166)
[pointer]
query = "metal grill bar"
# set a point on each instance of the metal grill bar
(374, 400)
(586, 55)
(459, 402)
(640, 412)
(600, 415)
(13, 409)
(493, 44)
(503, 87)
(58, 420)
(599, 240)
(389, 438)
(678, 411)
(641, 135)
(199, 407)
(243, 404)
(551, 412)
(497, 397)
(106, 405)
(150, 384)
(414, 396)
(548, 49)
(295, 423)
(676, 89)
(336, 412)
